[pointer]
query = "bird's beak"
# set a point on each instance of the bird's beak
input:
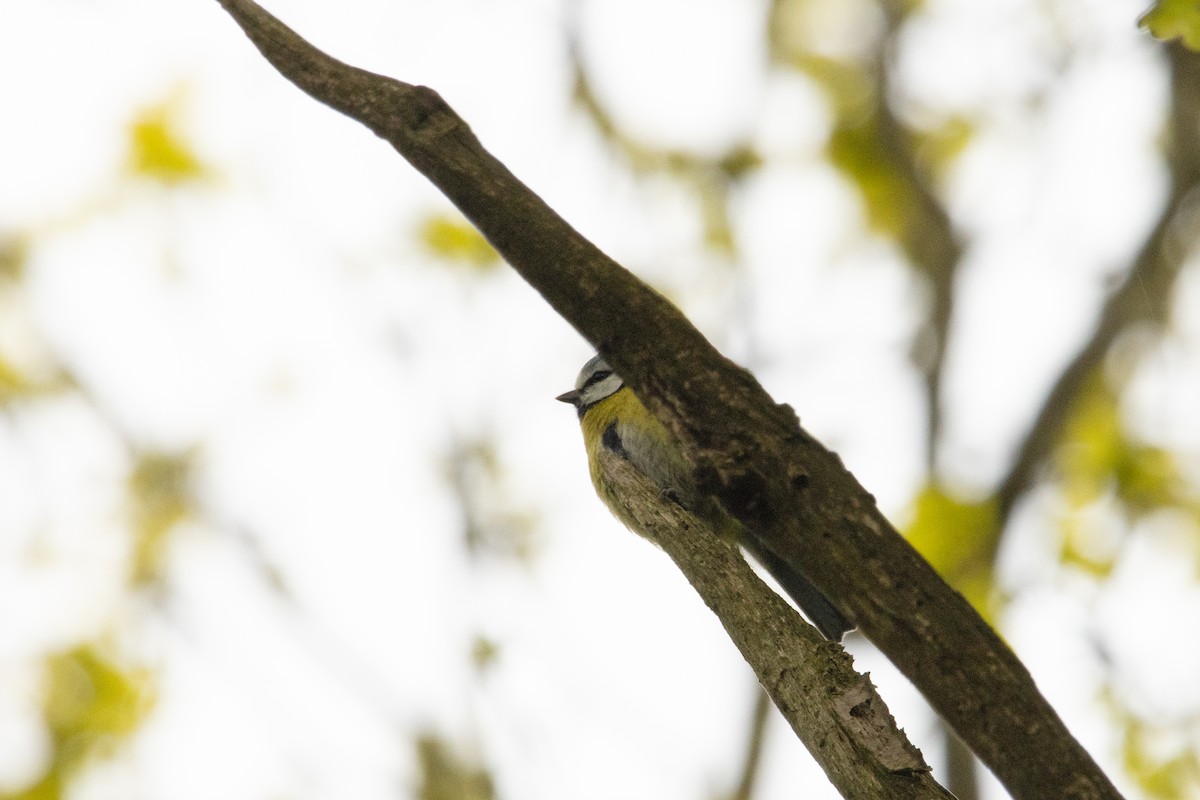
(571, 397)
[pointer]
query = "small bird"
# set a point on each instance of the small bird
(614, 419)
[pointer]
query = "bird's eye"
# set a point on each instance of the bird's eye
(598, 376)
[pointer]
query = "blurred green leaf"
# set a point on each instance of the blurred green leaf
(12, 382)
(484, 653)
(739, 162)
(1174, 19)
(1148, 478)
(90, 697)
(49, 787)
(494, 523)
(1169, 775)
(91, 705)
(1097, 456)
(847, 86)
(860, 153)
(159, 491)
(938, 147)
(958, 538)
(1088, 543)
(714, 216)
(1109, 481)
(157, 149)
(1089, 453)
(447, 776)
(14, 253)
(455, 240)
(17, 383)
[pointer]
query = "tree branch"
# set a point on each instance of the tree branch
(1145, 293)
(754, 747)
(747, 451)
(928, 238)
(833, 710)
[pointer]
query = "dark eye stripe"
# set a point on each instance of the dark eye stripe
(596, 377)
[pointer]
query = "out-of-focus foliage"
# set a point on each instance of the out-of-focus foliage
(157, 148)
(446, 775)
(937, 148)
(1162, 758)
(89, 698)
(1098, 457)
(160, 499)
(494, 522)
(22, 375)
(708, 180)
(454, 240)
(862, 143)
(91, 704)
(18, 383)
(958, 538)
(92, 701)
(891, 163)
(484, 652)
(859, 150)
(22, 380)
(1100, 464)
(1174, 19)
(14, 250)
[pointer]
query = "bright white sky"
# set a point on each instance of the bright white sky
(282, 320)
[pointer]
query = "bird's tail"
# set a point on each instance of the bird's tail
(816, 606)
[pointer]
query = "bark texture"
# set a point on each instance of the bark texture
(833, 710)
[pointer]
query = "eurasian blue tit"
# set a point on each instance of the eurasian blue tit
(613, 418)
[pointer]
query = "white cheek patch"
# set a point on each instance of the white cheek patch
(601, 389)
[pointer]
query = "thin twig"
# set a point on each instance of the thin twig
(929, 239)
(754, 746)
(1145, 293)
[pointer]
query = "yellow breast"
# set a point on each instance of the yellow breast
(620, 422)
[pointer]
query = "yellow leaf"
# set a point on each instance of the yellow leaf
(17, 382)
(847, 85)
(1159, 760)
(1088, 456)
(1174, 19)
(90, 704)
(1088, 544)
(454, 239)
(160, 496)
(1097, 457)
(48, 787)
(740, 161)
(89, 697)
(157, 149)
(484, 653)
(14, 253)
(447, 776)
(958, 538)
(938, 147)
(12, 382)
